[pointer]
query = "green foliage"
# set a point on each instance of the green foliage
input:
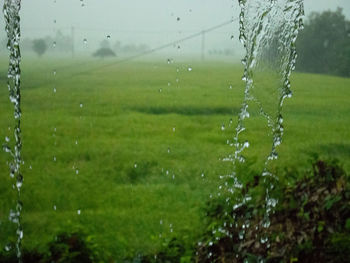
(39, 46)
(74, 247)
(324, 44)
(314, 228)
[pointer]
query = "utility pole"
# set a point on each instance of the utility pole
(203, 45)
(73, 40)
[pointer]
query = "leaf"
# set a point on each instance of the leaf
(321, 225)
(347, 224)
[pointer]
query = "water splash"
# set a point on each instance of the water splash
(268, 31)
(11, 10)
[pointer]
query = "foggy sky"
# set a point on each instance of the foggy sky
(153, 22)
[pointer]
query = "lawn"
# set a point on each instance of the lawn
(131, 152)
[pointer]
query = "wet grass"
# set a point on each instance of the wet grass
(132, 157)
(190, 111)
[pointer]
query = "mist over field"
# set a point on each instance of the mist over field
(143, 23)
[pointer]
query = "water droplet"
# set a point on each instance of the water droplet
(174, 129)
(108, 37)
(178, 18)
(168, 150)
(230, 87)
(54, 90)
(54, 72)
(263, 240)
(76, 142)
(7, 139)
(78, 212)
(54, 21)
(19, 184)
(54, 208)
(85, 41)
(232, 37)
(160, 90)
(77, 171)
(30, 167)
(161, 222)
(202, 175)
(54, 44)
(189, 69)
(81, 105)
(135, 165)
(169, 84)
(20, 233)
(223, 127)
(8, 247)
(54, 158)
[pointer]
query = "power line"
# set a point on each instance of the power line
(153, 50)
(147, 52)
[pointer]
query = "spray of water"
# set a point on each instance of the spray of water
(268, 31)
(11, 14)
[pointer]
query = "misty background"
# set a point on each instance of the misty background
(133, 26)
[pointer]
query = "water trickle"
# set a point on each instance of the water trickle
(11, 10)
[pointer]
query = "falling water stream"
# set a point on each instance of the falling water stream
(268, 31)
(12, 19)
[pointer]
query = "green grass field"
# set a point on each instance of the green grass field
(139, 153)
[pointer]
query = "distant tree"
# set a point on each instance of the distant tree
(324, 44)
(105, 44)
(104, 52)
(39, 46)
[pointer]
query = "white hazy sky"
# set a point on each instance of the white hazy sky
(153, 22)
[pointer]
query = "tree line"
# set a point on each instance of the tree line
(324, 44)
